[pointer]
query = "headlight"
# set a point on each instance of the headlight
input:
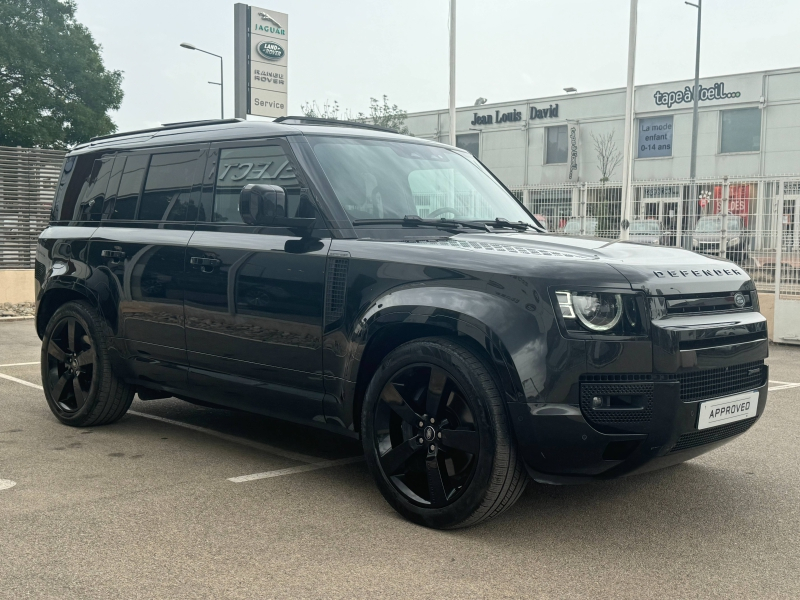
(600, 312)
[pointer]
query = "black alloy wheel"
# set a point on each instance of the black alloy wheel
(425, 435)
(79, 384)
(436, 438)
(70, 365)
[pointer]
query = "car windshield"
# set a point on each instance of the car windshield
(709, 224)
(384, 179)
(645, 227)
(574, 226)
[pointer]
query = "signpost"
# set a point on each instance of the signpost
(261, 52)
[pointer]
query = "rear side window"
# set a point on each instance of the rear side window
(167, 190)
(130, 185)
(80, 178)
(267, 165)
(93, 191)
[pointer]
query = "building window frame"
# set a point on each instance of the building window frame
(546, 129)
(720, 112)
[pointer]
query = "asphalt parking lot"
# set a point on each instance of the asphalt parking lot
(146, 508)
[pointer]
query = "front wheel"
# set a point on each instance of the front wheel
(436, 436)
(78, 382)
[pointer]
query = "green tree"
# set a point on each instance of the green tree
(55, 91)
(382, 114)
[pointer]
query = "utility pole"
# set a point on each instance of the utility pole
(695, 100)
(452, 72)
(627, 152)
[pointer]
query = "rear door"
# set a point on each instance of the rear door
(148, 218)
(254, 295)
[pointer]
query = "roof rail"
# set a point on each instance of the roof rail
(167, 126)
(334, 122)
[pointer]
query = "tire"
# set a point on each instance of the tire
(466, 440)
(79, 385)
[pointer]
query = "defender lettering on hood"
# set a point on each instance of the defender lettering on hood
(698, 273)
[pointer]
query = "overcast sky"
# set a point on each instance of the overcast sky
(350, 50)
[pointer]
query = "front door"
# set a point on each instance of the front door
(254, 295)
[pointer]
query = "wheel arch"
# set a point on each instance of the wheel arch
(55, 294)
(393, 320)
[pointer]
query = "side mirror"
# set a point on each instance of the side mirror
(260, 204)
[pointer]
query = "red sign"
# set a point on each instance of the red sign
(738, 200)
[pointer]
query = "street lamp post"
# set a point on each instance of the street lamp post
(627, 150)
(695, 99)
(452, 108)
(221, 81)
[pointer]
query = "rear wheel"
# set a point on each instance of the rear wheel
(79, 385)
(436, 436)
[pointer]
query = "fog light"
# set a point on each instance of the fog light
(597, 402)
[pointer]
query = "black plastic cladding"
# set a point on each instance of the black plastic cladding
(267, 320)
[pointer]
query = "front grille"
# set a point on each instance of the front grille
(642, 413)
(708, 303)
(712, 383)
(715, 434)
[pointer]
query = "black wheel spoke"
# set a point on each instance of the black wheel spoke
(392, 397)
(80, 395)
(85, 358)
(461, 439)
(58, 388)
(56, 352)
(438, 497)
(436, 385)
(71, 335)
(394, 460)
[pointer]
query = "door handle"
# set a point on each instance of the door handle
(204, 261)
(115, 254)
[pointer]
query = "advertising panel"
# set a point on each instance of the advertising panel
(655, 137)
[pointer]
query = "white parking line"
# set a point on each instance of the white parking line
(22, 381)
(19, 364)
(292, 470)
(6, 484)
(296, 456)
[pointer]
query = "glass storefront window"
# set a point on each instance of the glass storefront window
(556, 145)
(741, 130)
(469, 142)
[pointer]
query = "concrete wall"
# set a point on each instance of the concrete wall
(17, 286)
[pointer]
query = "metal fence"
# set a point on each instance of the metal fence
(741, 219)
(28, 180)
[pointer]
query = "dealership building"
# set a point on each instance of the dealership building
(545, 149)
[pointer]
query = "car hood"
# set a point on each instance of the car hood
(656, 270)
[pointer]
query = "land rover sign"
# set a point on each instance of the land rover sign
(261, 44)
(270, 50)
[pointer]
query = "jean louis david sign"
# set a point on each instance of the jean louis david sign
(262, 40)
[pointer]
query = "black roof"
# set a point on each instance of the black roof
(233, 129)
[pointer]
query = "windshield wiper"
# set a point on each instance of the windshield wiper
(417, 221)
(501, 223)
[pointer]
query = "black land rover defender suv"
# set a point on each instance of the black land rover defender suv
(389, 289)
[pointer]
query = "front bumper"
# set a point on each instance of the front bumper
(564, 442)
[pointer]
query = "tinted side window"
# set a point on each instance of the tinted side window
(129, 187)
(268, 165)
(93, 192)
(73, 186)
(167, 191)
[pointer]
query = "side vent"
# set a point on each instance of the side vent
(335, 287)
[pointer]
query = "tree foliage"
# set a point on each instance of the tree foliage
(382, 114)
(55, 91)
(606, 206)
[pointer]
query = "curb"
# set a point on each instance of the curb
(15, 319)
